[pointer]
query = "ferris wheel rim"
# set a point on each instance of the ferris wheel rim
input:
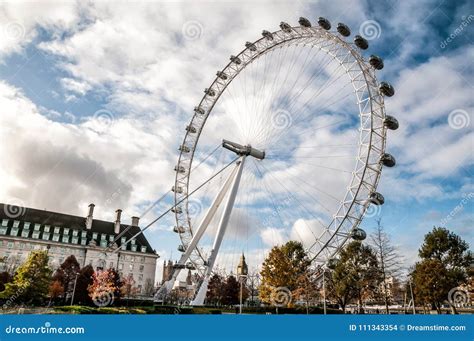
(298, 33)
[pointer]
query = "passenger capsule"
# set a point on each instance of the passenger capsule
(178, 266)
(191, 129)
(268, 35)
(358, 234)
(376, 62)
(386, 89)
(181, 248)
(343, 30)
(251, 46)
(235, 60)
(179, 169)
(178, 229)
(199, 110)
(183, 148)
(324, 23)
(177, 189)
(304, 22)
(285, 27)
(177, 209)
(388, 160)
(376, 198)
(221, 75)
(361, 42)
(209, 92)
(391, 122)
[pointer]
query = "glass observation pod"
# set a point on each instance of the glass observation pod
(343, 30)
(285, 27)
(190, 266)
(358, 234)
(178, 229)
(388, 160)
(361, 42)
(386, 89)
(376, 62)
(177, 210)
(376, 198)
(268, 35)
(391, 122)
(324, 23)
(181, 248)
(304, 22)
(178, 266)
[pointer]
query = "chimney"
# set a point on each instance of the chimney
(117, 221)
(90, 216)
(135, 221)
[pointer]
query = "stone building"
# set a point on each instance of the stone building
(90, 240)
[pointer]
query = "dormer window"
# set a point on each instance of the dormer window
(56, 229)
(37, 227)
(46, 228)
(16, 223)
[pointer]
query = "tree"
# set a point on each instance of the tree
(56, 290)
(281, 269)
(445, 262)
(66, 275)
(5, 278)
(355, 273)
(231, 293)
(30, 284)
(103, 288)
(128, 288)
(308, 290)
(215, 290)
(388, 261)
(85, 278)
(149, 287)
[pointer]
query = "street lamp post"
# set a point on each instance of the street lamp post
(74, 289)
(324, 291)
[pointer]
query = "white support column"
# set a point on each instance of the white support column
(201, 295)
(168, 285)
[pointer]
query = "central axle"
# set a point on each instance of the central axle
(243, 150)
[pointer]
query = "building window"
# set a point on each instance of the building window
(111, 265)
(111, 238)
(65, 239)
(83, 241)
(142, 259)
(22, 246)
(139, 289)
(25, 233)
(36, 234)
(84, 234)
(134, 248)
(94, 235)
(5, 222)
(75, 240)
(143, 248)
(45, 236)
(66, 230)
(46, 228)
(3, 230)
(120, 267)
(103, 243)
(133, 241)
(56, 229)
(26, 225)
(131, 267)
(141, 268)
(103, 236)
(140, 277)
(75, 233)
(37, 227)
(10, 245)
(16, 223)
(55, 237)
(14, 231)
(1, 242)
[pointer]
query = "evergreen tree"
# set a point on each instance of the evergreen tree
(231, 291)
(31, 282)
(215, 290)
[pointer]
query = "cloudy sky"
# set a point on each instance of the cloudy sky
(94, 98)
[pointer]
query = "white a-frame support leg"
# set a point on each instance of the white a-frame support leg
(201, 295)
(230, 181)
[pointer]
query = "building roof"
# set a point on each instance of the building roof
(16, 219)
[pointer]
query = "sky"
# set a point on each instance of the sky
(94, 98)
